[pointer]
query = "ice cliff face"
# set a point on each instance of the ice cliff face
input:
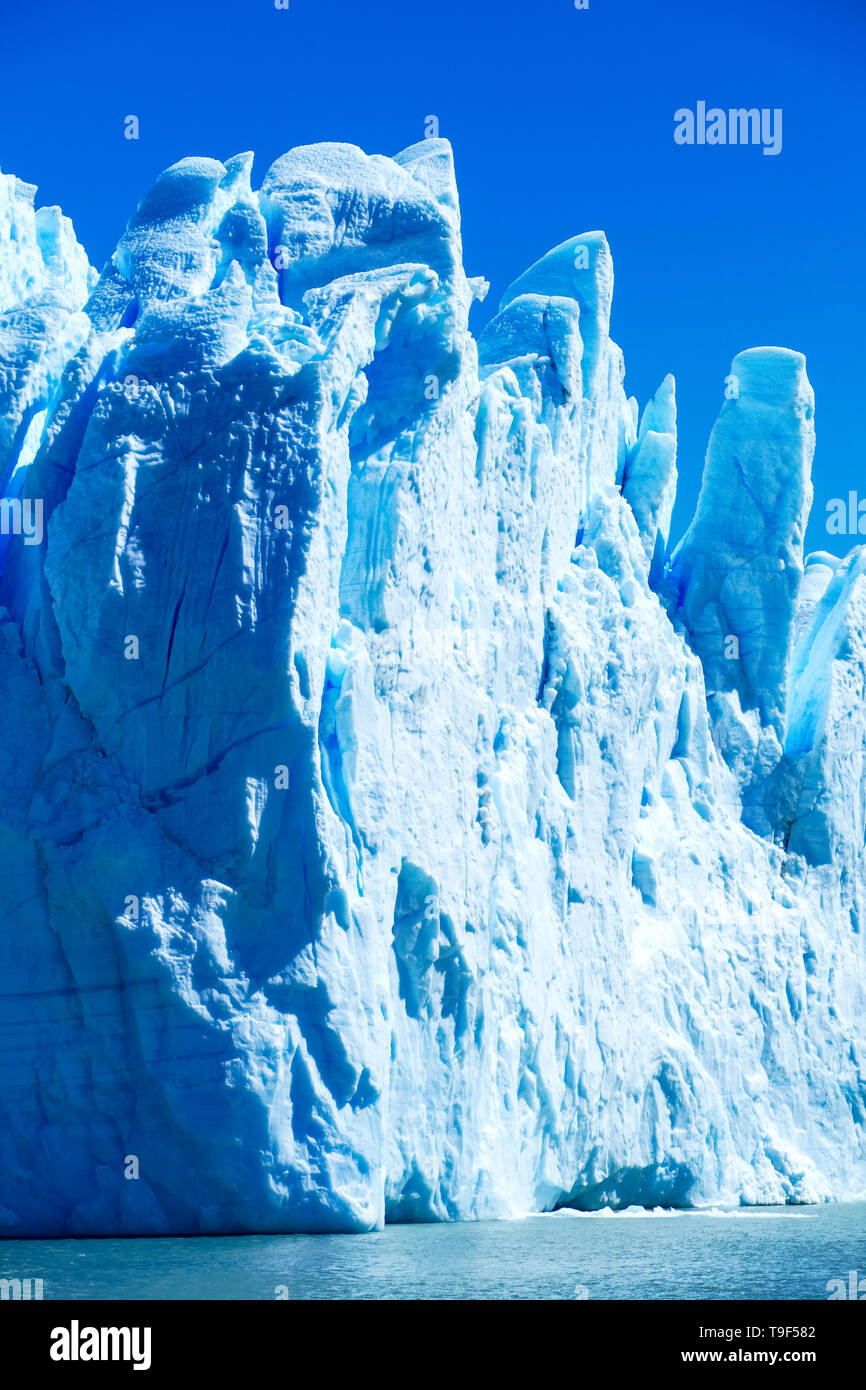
(393, 826)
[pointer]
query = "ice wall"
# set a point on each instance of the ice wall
(379, 838)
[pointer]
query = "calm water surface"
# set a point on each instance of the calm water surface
(787, 1253)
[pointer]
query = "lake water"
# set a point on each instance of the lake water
(766, 1253)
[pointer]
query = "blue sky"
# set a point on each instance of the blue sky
(561, 121)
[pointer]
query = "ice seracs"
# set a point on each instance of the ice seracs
(44, 281)
(738, 569)
(390, 828)
(649, 480)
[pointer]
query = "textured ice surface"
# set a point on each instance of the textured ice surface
(391, 828)
(44, 282)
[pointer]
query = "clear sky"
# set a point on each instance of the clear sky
(561, 120)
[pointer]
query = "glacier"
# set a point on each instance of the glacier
(399, 823)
